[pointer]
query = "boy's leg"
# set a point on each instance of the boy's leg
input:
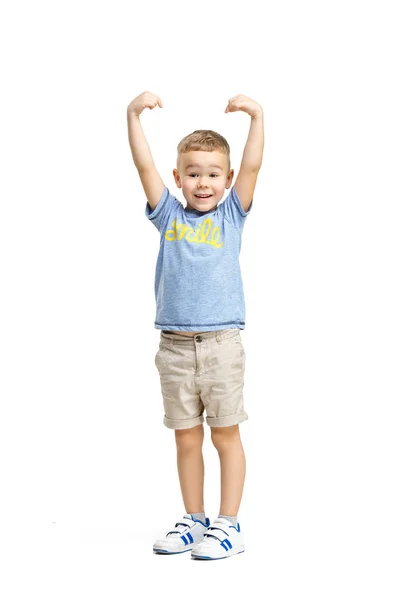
(224, 537)
(189, 444)
(233, 467)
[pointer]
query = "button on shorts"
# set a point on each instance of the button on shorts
(205, 371)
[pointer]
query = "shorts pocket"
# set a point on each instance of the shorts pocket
(242, 352)
(159, 360)
(232, 356)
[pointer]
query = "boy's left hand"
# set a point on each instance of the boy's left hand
(247, 105)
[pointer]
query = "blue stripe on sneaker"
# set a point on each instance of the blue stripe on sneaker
(228, 543)
(190, 537)
(184, 539)
(223, 545)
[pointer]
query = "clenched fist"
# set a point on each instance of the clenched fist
(144, 100)
(244, 103)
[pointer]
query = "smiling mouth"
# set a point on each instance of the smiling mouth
(203, 196)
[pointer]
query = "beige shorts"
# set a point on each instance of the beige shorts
(202, 372)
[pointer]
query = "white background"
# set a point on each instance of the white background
(87, 467)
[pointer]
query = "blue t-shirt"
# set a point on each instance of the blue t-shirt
(198, 283)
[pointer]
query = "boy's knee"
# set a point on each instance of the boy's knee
(188, 439)
(224, 437)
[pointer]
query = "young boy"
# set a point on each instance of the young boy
(200, 311)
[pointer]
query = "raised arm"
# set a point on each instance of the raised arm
(152, 183)
(253, 151)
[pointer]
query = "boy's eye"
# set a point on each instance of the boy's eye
(195, 174)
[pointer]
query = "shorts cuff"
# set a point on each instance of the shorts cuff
(183, 423)
(227, 421)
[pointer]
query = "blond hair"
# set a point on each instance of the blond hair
(206, 140)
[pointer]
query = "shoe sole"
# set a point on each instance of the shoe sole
(228, 554)
(161, 551)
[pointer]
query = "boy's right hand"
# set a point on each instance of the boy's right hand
(144, 100)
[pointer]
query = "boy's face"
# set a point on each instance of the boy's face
(203, 173)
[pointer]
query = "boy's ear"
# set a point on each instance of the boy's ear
(177, 178)
(229, 178)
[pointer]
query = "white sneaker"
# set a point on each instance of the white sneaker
(183, 537)
(222, 539)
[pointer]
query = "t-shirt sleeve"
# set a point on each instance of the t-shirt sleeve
(232, 209)
(160, 216)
